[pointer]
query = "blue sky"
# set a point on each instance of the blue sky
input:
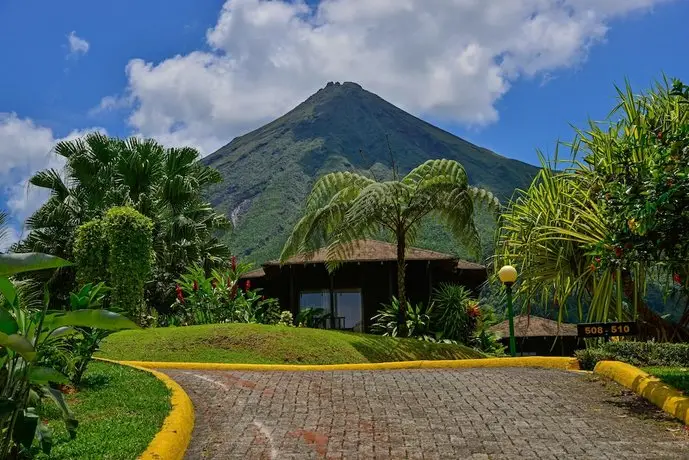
(188, 72)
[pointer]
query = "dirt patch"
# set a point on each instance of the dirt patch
(636, 406)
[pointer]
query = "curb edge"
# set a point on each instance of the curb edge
(647, 386)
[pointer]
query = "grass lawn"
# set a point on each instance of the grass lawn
(261, 344)
(677, 377)
(119, 410)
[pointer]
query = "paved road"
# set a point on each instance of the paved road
(429, 414)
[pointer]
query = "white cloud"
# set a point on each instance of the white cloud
(109, 103)
(26, 148)
(450, 59)
(77, 45)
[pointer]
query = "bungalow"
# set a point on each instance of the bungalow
(535, 335)
(364, 281)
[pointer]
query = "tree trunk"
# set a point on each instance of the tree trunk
(401, 289)
(651, 324)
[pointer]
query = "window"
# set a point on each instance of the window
(348, 306)
(315, 299)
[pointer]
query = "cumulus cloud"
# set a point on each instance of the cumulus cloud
(26, 148)
(450, 59)
(77, 45)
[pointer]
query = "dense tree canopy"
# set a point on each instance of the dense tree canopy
(163, 184)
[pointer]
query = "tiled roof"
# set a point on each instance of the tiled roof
(376, 251)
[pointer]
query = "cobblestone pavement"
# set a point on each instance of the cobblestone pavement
(429, 414)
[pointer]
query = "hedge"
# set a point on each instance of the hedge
(90, 253)
(129, 236)
(640, 354)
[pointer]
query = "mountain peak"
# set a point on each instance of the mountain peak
(269, 172)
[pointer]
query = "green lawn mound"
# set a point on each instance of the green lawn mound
(261, 344)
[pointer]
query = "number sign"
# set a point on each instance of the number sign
(607, 329)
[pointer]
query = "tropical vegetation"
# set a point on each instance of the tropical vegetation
(29, 333)
(346, 207)
(452, 316)
(219, 298)
(592, 235)
(165, 185)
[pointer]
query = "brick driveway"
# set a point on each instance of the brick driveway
(460, 413)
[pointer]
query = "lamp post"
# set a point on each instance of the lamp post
(508, 276)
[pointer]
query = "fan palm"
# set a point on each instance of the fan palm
(346, 207)
(164, 184)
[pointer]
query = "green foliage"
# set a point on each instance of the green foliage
(91, 252)
(286, 319)
(417, 323)
(219, 298)
(121, 409)
(456, 313)
(642, 164)
(73, 355)
(637, 354)
(163, 184)
(313, 317)
(262, 344)
(28, 334)
(129, 237)
(566, 233)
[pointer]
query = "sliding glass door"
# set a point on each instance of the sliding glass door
(347, 309)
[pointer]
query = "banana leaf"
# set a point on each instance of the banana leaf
(11, 264)
(18, 344)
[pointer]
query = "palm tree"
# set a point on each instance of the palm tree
(553, 232)
(164, 184)
(345, 207)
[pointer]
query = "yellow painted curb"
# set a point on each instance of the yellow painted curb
(172, 440)
(529, 361)
(652, 388)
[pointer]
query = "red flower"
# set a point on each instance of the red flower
(196, 286)
(233, 261)
(473, 311)
(597, 259)
(180, 295)
(247, 286)
(618, 251)
(677, 278)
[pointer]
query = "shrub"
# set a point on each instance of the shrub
(418, 320)
(286, 319)
(91, 253)
(129, 235)
(456, 313)
(219, 299)
(313, 317)
(637, 354)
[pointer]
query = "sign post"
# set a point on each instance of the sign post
(607, 330)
